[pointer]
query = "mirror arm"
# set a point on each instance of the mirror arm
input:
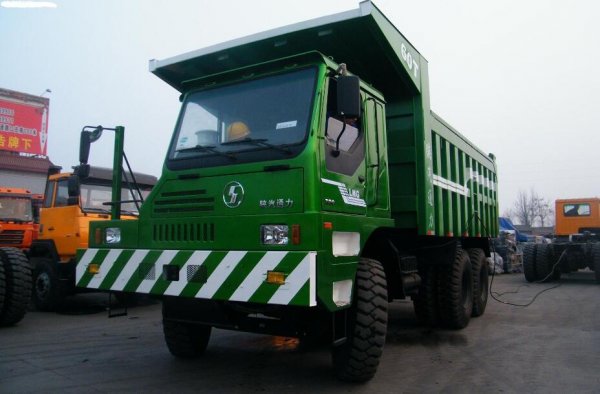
(336, 151)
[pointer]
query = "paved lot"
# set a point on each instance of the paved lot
(551, 346)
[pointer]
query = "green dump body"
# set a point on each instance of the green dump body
(201, 233)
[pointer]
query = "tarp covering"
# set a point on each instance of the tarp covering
(507, 225)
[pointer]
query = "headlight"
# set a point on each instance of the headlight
(112, 235)
(274, 234)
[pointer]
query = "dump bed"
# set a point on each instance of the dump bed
(440, 183)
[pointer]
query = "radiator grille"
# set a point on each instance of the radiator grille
(184, 232)
(12, 237)
(184, 201)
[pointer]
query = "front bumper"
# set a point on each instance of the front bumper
(216, 275)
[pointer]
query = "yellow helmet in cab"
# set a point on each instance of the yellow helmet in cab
(237, 131)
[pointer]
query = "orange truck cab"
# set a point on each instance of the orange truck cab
(18, 227)
(70, 203)
(577, 216)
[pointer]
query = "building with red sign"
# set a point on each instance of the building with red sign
(23, 140)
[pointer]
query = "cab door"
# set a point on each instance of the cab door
(342, 149)
(60, 221)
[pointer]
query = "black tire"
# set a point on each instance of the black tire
(479, 269)
(529, 255)
(357, 359)
(47, 296)
(543, 263)
(186, 340)
(2, 286)
(455, 292)
(17, 273)
(425, 303)
(596, 261)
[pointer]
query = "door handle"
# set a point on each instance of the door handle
(50, 228)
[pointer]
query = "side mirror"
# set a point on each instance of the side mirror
(87, 137)
(82, 171)
(348, 96)
(73, 186)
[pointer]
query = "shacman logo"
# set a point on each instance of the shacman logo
(233, 194)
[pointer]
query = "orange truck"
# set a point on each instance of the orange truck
(71, 202)
(18, 229)
(575, 245)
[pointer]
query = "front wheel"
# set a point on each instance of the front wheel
(185, 340)
(358, 357)
(46, 292)
(17, 286)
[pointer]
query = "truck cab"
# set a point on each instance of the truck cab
(18, 225)
(70, 203)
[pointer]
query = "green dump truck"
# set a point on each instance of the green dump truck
(306, 186)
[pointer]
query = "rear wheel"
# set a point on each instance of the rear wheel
(425, 303)
(596, 261)
(358, 357)
(46, 292)
(480, 281)
(455, 289)
(543, 262)
(17, 280)
(529, 255)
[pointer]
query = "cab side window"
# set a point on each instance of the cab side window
(62, 194)
(345, 134)
(48, 194)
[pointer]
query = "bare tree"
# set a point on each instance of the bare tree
(523, 210)
(530, 209)
(544, 212)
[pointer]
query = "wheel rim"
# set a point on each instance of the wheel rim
(42, 285)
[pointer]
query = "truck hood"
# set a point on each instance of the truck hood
(258, 193)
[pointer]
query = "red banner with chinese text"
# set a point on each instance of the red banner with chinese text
(23, 127)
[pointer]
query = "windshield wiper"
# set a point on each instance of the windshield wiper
(93, 209)
(207, 148)
(260, 142)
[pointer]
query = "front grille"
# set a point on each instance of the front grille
(184, 232)
(184, 201)
(12, 237)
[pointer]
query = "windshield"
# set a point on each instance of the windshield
(15, 209)
(257, 120)
(94, 197)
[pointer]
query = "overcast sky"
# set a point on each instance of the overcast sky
(519, 78)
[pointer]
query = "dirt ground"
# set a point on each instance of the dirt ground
(553, 345)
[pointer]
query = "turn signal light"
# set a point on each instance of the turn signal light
(93, 268)
(295, 234)
(275, 277)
